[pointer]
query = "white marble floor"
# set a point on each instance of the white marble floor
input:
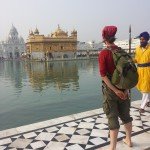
(87, 130)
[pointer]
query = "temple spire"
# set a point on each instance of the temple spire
(58, 26)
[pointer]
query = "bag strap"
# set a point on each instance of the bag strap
(113, 54)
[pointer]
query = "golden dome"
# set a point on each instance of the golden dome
(59, 32)
(36, 31)
(74, 32)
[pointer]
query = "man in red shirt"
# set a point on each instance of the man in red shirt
(116, 102)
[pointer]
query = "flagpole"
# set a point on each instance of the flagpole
(130, 39)
(130, 54)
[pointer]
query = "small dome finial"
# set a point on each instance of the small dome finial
(58, 26)
(36, 31)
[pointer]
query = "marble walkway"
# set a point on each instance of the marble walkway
(86, 130)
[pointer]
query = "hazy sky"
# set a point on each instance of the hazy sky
(88, 17)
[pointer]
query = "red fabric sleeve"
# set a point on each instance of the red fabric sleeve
(106, 63)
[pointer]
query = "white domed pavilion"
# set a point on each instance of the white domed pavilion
(13, 46)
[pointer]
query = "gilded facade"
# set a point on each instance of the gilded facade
(57, 45)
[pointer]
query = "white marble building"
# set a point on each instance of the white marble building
(13, 47)
(124, 44)
(88, 48)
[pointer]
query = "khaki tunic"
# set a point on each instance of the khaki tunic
(142, 55)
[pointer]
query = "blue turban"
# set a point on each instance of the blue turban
(145, 35)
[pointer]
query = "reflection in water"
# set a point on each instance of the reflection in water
(13, 71)
(62, 75)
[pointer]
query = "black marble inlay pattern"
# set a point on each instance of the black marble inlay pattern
(86, 133)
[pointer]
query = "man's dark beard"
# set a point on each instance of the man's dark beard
(143, 44)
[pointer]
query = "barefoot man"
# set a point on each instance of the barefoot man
(116, 103)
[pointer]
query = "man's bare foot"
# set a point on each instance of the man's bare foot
(141, 110)
(129, 143)
(148, 104)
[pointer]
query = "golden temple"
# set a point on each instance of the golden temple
(57, 45)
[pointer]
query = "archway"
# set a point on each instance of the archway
(65, 56)
(10, 55)
(50, 55)
(17, 55)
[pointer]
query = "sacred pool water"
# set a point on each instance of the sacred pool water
(38, 91)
